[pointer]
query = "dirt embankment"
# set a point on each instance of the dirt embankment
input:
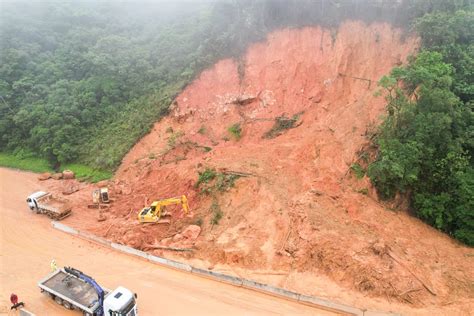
(298, 210)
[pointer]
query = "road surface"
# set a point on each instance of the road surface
(28, 243)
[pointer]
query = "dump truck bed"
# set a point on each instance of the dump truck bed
(55, 207)
(66, 286)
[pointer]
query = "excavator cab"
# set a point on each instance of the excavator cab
(156, 210)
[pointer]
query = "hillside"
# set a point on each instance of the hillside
(272, 137)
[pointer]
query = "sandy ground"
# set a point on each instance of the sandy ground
(28, 243)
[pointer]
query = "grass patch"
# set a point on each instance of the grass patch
(235, 130)
(363, 191)
(202, 130)
(281, 124)
(216, 213)
(198, 222)
(28, 163)
(205, 176)
(86, 173)
(211, 181)
(173, 138)
(358, 170)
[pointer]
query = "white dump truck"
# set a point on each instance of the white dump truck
(55, 207)
(75, 290)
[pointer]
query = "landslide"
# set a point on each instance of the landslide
(296, 205)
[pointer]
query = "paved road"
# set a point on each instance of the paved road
(28, 243)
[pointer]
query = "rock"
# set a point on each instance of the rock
(57, 176)
(380, 248)
(191, 232)
(102, 184)
(44, 176)
(178, 237)
(68, 174)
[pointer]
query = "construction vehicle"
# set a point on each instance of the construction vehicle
(100, 199)
(45, 203)
(157, 209)
(100, 196)
(75, 290)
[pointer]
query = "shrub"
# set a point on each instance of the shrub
(235, 130)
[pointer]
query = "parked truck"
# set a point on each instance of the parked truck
(55, 207)
(75, 290)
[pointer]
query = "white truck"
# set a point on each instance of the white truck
(73, 289)
(55, 207)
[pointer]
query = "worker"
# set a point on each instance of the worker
(14, 301)
(54, 266)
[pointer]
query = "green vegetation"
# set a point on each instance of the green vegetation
(363, 191)
(198, 222)
(83, 81)
(202, 130)
(426, 143)
(173, 138)
(87, 173)
(31, 163)
(216, 213)
(235, 130)
(210, 181)
(282, 123)
(358, 170)
(205, 176)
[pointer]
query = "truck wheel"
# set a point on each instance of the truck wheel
(67, 305)
(58, 300)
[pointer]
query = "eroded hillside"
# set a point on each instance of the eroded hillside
(296, 215)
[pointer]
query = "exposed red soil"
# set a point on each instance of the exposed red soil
(301, 219)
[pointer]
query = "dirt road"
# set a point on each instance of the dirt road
(28, 243)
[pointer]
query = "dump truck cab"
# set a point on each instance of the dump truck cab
(32, 200)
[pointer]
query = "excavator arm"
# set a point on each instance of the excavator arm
(153, 213)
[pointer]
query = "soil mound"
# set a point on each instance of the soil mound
(278, 132)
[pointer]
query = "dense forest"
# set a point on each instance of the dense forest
(82, 81)
(426, 143)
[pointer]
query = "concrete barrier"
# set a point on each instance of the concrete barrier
(249, 284)
(24, 312)
(99, 240)
(64, 228)
(270, 289)
(218, 276)
(163, 261)
(330, 305)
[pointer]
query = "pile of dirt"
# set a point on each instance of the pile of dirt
(294, 204)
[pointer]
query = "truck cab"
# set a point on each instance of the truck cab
(120, 302)
(32, 200)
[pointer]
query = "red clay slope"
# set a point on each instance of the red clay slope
(301, 212)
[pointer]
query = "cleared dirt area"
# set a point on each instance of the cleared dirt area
(286, 123)
(28, 243)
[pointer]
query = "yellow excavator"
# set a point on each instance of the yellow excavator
(156, 210)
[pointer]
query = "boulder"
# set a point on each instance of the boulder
(44, 176)
(191, 232)
(68, 174)
(57, 176)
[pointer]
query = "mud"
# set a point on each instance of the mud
(297, 216)
(28, 243)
